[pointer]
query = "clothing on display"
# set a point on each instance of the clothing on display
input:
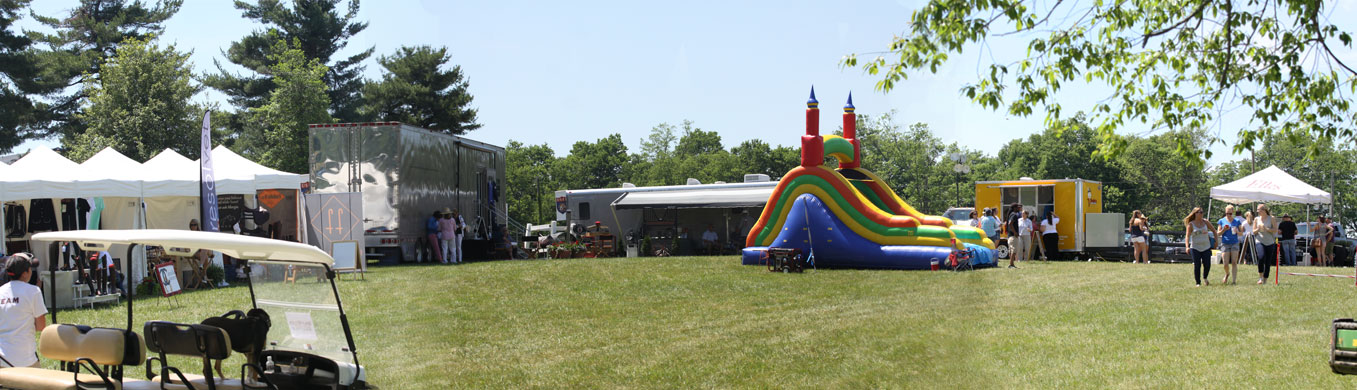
(41, 217)
(16, 220)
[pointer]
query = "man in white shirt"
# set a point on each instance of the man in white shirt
(709, 238)
(21, 314)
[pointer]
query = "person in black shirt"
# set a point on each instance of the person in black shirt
(1288, 239)
(1015, 240)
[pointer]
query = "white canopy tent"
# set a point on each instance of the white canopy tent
(238, 175)
(168, 185)
(1269, 185)
(172, 174)
(169, 174)
(119, 208)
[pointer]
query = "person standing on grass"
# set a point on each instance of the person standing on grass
(1198, 244)
(1288, 239)
(1329, 240)
(1319, 231)
(447, 236)
(1035, 249)
(431, 233)
(990, 225)
(1050, 238)
(973, 221)
(1140, 246)
(1248, 249)
(460, 231)
(1025, 230)
(1015, 240)
(1265, 227)
(1228, 230)
(21, 314)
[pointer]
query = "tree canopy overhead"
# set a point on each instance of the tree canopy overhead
(1171, 64)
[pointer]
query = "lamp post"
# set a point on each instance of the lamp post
(960, 168)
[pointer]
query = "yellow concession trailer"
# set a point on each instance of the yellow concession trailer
(1077, 202)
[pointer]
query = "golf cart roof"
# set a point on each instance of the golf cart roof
(237, 246)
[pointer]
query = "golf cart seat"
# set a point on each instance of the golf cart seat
(246, 334)
(100, 351)
(204, 342)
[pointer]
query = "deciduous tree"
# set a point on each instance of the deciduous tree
(278, 138)
(140, 104)
(1170, 64)
(74, 54)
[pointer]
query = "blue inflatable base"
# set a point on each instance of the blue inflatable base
(829, 243)
(883, 257)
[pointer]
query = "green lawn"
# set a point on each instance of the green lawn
(705, 322)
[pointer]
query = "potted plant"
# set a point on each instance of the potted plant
(560, 250)
(577, 249)
(585, 251)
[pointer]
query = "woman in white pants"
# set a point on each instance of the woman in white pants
(460, 225)
(1025, 230)
(446, 236)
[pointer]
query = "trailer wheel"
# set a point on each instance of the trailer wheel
(1001, 250)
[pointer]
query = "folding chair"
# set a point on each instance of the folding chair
(960, 260)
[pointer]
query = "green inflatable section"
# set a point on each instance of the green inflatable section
(838, 145)
(866, 190)
(854, 213)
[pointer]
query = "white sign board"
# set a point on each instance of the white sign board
(345, 254)
(301, 326)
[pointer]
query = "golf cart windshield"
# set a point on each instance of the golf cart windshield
(301, 304)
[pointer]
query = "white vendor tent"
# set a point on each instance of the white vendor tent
(238, 175)
(170, 174)
(1269, 185)
(41, 173)
(115, 174)
(159, 194)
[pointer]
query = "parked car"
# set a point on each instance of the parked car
(959, 214)
(1165, 246)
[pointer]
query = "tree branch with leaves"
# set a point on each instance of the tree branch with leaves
(1171, 65)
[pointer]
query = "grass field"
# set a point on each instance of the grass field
(707, 322)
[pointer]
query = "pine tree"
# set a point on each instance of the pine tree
(19, 78)
(83, 41)
(320, 31)
(418, 89)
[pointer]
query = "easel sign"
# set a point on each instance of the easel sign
(346, 256)
(169, 283)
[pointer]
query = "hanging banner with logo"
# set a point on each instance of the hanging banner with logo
(208, 181)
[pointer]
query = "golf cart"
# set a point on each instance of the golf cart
(295, 335)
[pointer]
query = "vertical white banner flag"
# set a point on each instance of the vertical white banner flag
(209, 183)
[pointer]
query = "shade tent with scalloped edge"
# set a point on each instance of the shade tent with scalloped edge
(167, 185)
(1270, 185)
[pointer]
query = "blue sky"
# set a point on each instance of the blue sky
(561, 72)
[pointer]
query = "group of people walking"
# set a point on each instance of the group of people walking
(1256, 236)
(445, 231)
(1028, 237)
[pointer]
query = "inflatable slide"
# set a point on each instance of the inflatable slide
(847, 217)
